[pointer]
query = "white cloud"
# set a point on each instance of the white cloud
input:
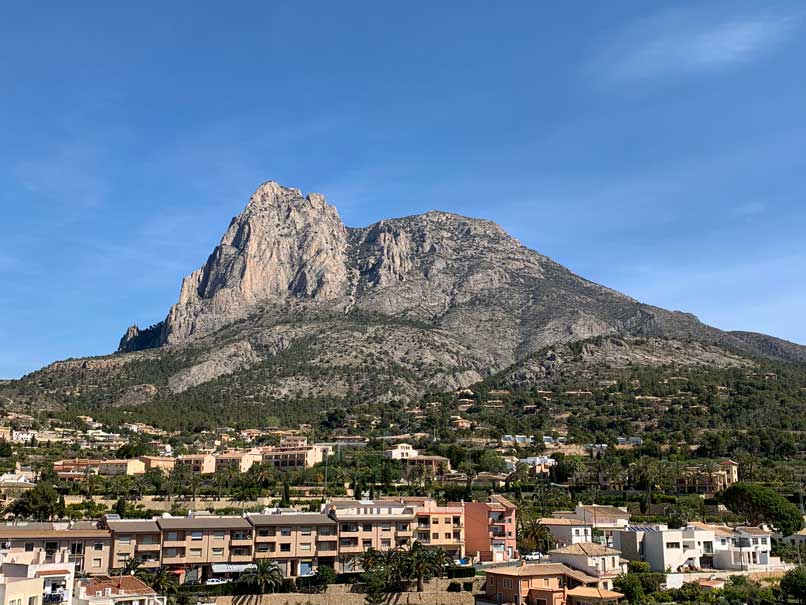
(680, 44)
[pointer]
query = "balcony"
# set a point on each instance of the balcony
(173, 560)
(350, 548)
(148, 547)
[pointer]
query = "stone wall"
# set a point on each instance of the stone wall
(348, 598)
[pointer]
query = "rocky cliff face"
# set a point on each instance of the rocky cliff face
(467, 298)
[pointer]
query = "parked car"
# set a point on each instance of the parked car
(533, 556)
(215, 581)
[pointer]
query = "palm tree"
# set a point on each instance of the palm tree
(420, 564)
(265, 576)
(162, 580)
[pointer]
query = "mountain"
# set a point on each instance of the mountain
(292, 305)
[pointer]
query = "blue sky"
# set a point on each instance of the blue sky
(653, 147)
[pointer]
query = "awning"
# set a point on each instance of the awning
(52, 572)
(232, 567)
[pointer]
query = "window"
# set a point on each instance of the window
(98, 546)
(285, 547)
(218, 552)
(218, 535)
(196, 535)
(29, 547)
(125, 539)
(96, 562)
(763, 540)
(33, 600)
(367, 526)
(386, 543)
(672, 545)
(435, 520)
(285, 531)
(576, 532)
(507, 582)
(305, 531)
(172, 536)
(434, 536)
(305, 546)
(386, 527)
(447, 535)
(263, 547)
(265, 532)
(195, 552)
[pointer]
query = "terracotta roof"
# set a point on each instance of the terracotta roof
(553, 521)
(754, 531)
(502, 501)
(53, 572)
(595, 593)
(128, 585)
(542, 569)
(711, 583)
(589, 549)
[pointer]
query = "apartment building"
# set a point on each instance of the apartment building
(568, 531)
(364, 524)
(118, 590)
(546, 584)
(490, 529)
(298, 457)
(57, 579)
(164, 463)
(192, 545)
(116, 468)
(16, 590)
(75, 469)
(708, 480)
(197, 463)
(699, 546)
(439, 526)
(595, 560)
(238, 462)
(47, 543)
(139, 539)
(298, 542)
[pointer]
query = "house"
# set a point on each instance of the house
(699, 546)
(460, 424)
(297, 457)
(546, 584)
(164, 463)
(707, 479)
(567, 531)
(57, 579)
(20, 590)
(12, 485)
(430, 466)
(116, 468)
(118, 590)
(603, 518)
(197, 463)
(595, 560)
(517, 440)
(401, 451)
(238, 462)
(490, 530)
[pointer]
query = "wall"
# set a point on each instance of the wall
(295, 598)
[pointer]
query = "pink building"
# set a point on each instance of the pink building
(490, 530)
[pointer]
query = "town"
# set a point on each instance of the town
(309, 513)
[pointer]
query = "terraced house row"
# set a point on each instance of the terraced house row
(201, 545)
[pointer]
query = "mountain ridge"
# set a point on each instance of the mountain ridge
(293, 305)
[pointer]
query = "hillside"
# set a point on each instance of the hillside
(293, 306)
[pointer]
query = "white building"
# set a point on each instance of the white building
(595, 560)
(568, 531)
(401, 451)
(698, 546)
(606, 519)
